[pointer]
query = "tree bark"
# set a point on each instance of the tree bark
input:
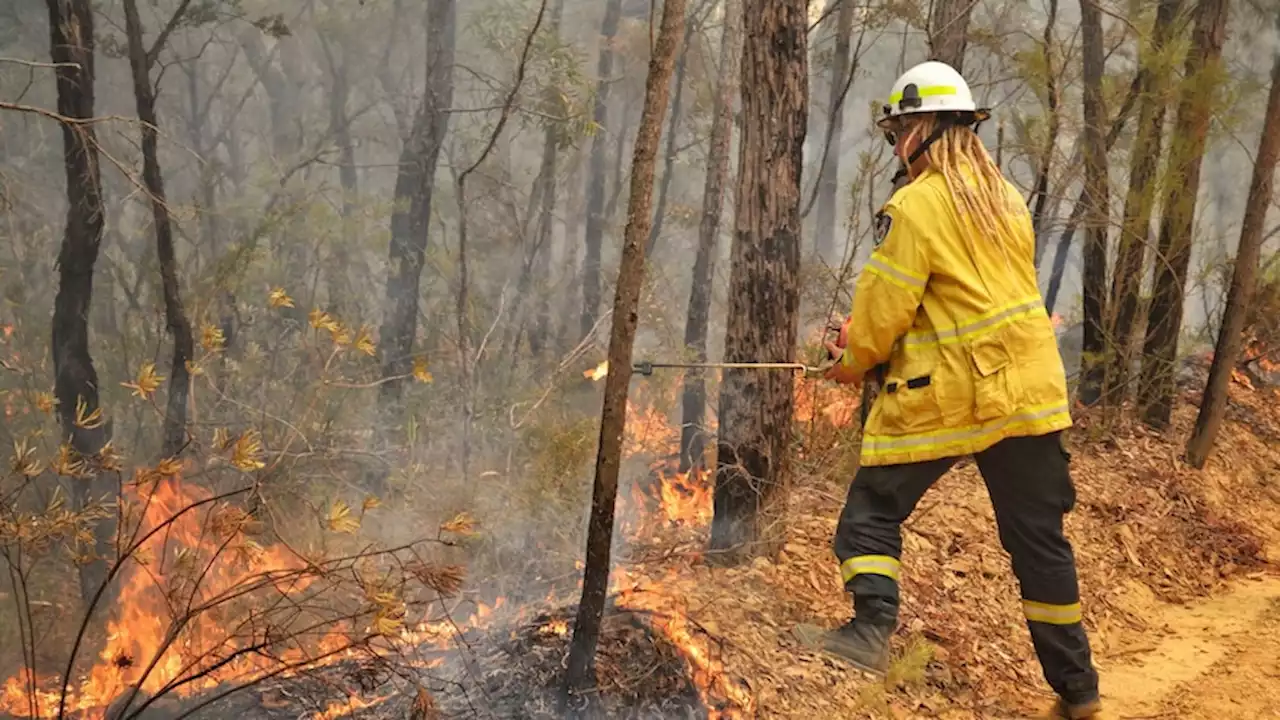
(594, 236)
(175, 315)
(71, 44)
(693, 412)
(753, 449)
(1097, 210)
(1138, 205)
(1244, 280)
(1186, 153)
(595, 582)
(829, 175)
(949, 31)
(411, 218)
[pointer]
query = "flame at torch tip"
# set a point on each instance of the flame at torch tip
(597, 372)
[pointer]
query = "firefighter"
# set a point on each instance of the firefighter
(949, 309)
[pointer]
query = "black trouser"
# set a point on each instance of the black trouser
(1031, 489)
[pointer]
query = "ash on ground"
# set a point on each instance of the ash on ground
(506, 671)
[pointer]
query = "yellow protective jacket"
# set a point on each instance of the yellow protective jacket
(972, 356)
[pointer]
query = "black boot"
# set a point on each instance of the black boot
(862, 643)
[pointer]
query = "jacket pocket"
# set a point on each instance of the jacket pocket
(909, 405)
(995, 385)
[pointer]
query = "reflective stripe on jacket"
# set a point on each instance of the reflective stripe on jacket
(972, 356)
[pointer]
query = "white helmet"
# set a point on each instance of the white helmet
(931, 87)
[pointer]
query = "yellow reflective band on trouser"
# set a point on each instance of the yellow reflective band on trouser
(896, 274)
(870, 565)
(973, 327)
(873, 445)
(1052, 614)
(927, 91)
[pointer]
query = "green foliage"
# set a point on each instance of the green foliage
(908, 669)
(557, 448)
(556, 88)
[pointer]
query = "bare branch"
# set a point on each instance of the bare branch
(511, 96)
(163, 37)
(37, 64)
(59, 117)
(111, 575)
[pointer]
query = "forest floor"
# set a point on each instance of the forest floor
(1179, 570)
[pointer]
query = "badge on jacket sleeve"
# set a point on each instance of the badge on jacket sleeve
(883, 222)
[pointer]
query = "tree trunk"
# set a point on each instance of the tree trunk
(580, 675)
(411, 218)
(1040, 192)
(595, 176)
(175, 315)
(71, 45)
(204, 145)
(693, 431)
(619, 167)
(1138, 205)
(949, 31)
(1098, 208)
(1191, 131)
(756, 408)
(829, 175)
(540, 255)
(338, 272)
(533, 314)
(673, 131)
(1243, 282)
(282, 97)
(1077, 211)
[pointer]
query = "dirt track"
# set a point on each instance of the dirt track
(1219, 658)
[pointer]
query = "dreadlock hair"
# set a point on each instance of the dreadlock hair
(976, 184)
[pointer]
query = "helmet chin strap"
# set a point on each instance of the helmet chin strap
(945, 122)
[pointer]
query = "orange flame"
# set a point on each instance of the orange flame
(184, 606)
(342, 708)
(818, 399)
(669, 616)
(151, 644)
(597, 372)
(673, 500)
(1241, 379)
(556, 627)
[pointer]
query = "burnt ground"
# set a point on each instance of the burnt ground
(507, 671)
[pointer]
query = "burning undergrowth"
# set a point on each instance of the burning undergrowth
(210, 616)
(505, 669)
(400, 637)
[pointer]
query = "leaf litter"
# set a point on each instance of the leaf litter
(1148, 532)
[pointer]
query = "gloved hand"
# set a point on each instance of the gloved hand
(839, 372)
